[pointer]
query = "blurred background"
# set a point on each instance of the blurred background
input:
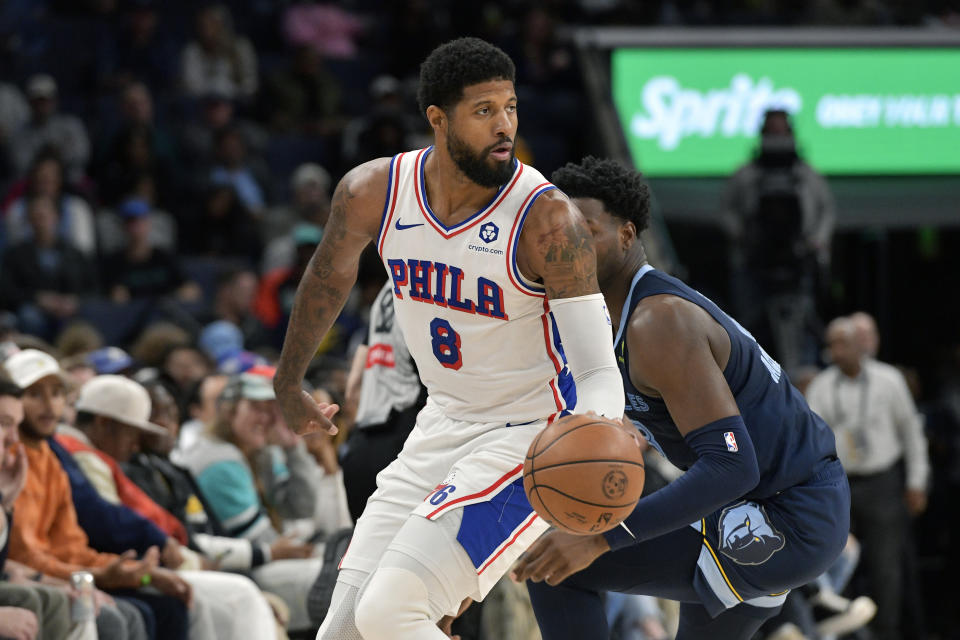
(166, 171)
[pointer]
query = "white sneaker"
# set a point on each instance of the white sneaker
(860, 611)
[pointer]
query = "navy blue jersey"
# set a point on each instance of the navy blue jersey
(788, 437)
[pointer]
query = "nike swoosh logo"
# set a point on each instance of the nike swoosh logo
(401, 227)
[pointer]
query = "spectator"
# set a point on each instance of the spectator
(141, 269)
(217, 112)
(46, 536)
(224, 227)
(47, 127)
(43, 277)
(46, 597)
(156, 342)
(305, 97)
(113, 412)
(175, 488)
(24, 610)
(236, 291)
(275, 297)
(219, 59)
(75, 224)
(138, 146)
(780, 214)
(250, 506)
(867, 336)
(139, 49)
(310, 185)
(111, 235)
(881, 443)
(386, 125)
(233, 165)
(201, 411)
(182, 366)
(14, 111)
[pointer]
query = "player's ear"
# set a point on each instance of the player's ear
(436, 117)
(627, 234)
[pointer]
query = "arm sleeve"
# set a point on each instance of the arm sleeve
(587, 346)
(909, 426)
(719, 476)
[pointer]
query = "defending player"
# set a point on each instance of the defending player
(490, 267)
(767, 498)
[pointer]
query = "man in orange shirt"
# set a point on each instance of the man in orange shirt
(46, 535)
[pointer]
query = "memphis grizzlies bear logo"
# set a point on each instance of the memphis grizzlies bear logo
(746, 535)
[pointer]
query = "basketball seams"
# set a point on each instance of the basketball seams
(572, 462)
(565, 433)
(575, 499)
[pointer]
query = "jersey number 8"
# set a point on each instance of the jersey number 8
(446, 343)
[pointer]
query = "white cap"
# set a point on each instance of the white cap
(119, 398)
(30, 365)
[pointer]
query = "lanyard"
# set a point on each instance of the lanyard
(857, 433)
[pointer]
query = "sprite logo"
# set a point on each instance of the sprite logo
(671, 112)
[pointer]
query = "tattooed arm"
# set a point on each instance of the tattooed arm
(556, 247)
(354, 222)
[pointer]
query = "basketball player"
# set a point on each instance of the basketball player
(491, 266)
(764, 504)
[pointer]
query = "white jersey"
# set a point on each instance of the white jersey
(484, 341)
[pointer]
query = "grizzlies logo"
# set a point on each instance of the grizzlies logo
(615, 484)
(746, 535)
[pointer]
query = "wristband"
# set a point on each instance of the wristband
(145, 580)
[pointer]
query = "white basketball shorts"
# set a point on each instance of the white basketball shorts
(448, 465)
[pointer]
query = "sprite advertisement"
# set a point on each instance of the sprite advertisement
(879, 111)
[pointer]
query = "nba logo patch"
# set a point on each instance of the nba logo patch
(731, 441)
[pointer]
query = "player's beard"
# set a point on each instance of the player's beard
(476, 166)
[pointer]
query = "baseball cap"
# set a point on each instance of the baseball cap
(31, 365)
(109, 360)
(255, 383)
(41, 85)
(220, 338)
(119, 398)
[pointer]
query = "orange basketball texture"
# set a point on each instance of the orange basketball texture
(584, 474)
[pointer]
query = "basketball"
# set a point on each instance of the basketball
(584, 473)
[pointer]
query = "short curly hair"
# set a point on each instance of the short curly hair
(622, 190)
(458, 64)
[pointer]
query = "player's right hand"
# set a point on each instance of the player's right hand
(304, 415)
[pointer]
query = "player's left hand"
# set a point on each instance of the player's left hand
(556, 555)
